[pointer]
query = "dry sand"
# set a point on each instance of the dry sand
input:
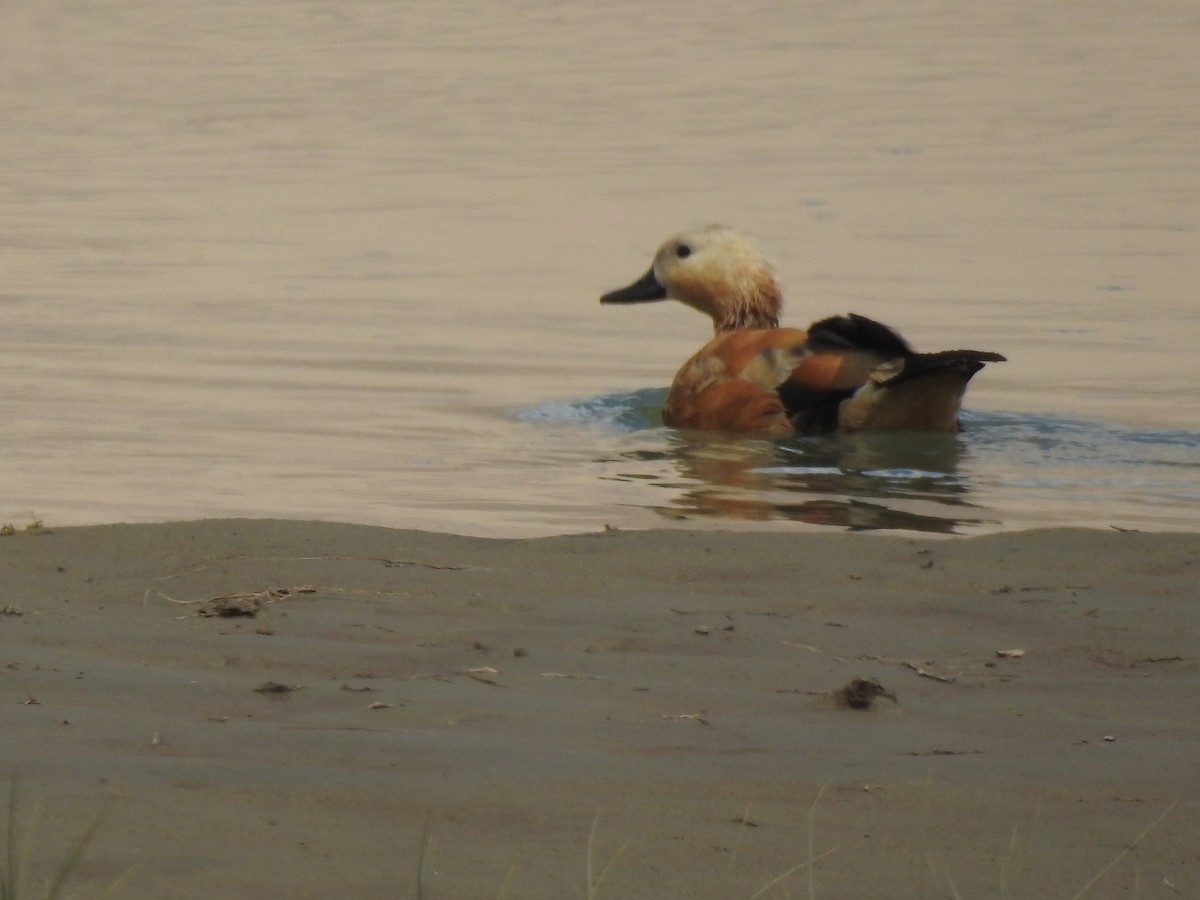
(675, 688)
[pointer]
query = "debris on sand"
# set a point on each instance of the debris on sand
(861, 693)
(274, 687)
(247, 604)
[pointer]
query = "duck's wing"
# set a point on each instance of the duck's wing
(840, 355)
(876, 381)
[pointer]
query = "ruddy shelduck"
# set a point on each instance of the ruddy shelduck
(845, 373)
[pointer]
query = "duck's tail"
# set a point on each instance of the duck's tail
(906, 391)
(963, 363)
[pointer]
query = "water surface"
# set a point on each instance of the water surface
(343, 262)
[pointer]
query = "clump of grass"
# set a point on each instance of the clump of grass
(595, 880)
(939, 866)
(14, 865)
(34, 527)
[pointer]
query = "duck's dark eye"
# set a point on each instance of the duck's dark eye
(683, 251)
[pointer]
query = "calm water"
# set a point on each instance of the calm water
(342, 261)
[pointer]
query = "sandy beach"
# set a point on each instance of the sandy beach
(296, 709)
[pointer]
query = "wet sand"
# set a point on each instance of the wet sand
(399, 696)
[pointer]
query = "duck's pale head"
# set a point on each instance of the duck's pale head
(717, 270)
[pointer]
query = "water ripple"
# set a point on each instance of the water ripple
(1003, 470)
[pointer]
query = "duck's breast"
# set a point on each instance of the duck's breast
(731, 383)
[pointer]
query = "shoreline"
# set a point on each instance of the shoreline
(274, 708)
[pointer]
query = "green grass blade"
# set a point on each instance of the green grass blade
(737, 844)
(9, 877)
(792, 871)
(594, 883)
(426, 840)
(1137, 840)
(74, 855)
(812, 842)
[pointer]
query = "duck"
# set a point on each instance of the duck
(845, 373)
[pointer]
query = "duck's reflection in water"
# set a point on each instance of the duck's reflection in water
(895, 480)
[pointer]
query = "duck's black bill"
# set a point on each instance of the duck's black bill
(644, 290)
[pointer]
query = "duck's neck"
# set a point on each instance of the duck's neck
(757, 309)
